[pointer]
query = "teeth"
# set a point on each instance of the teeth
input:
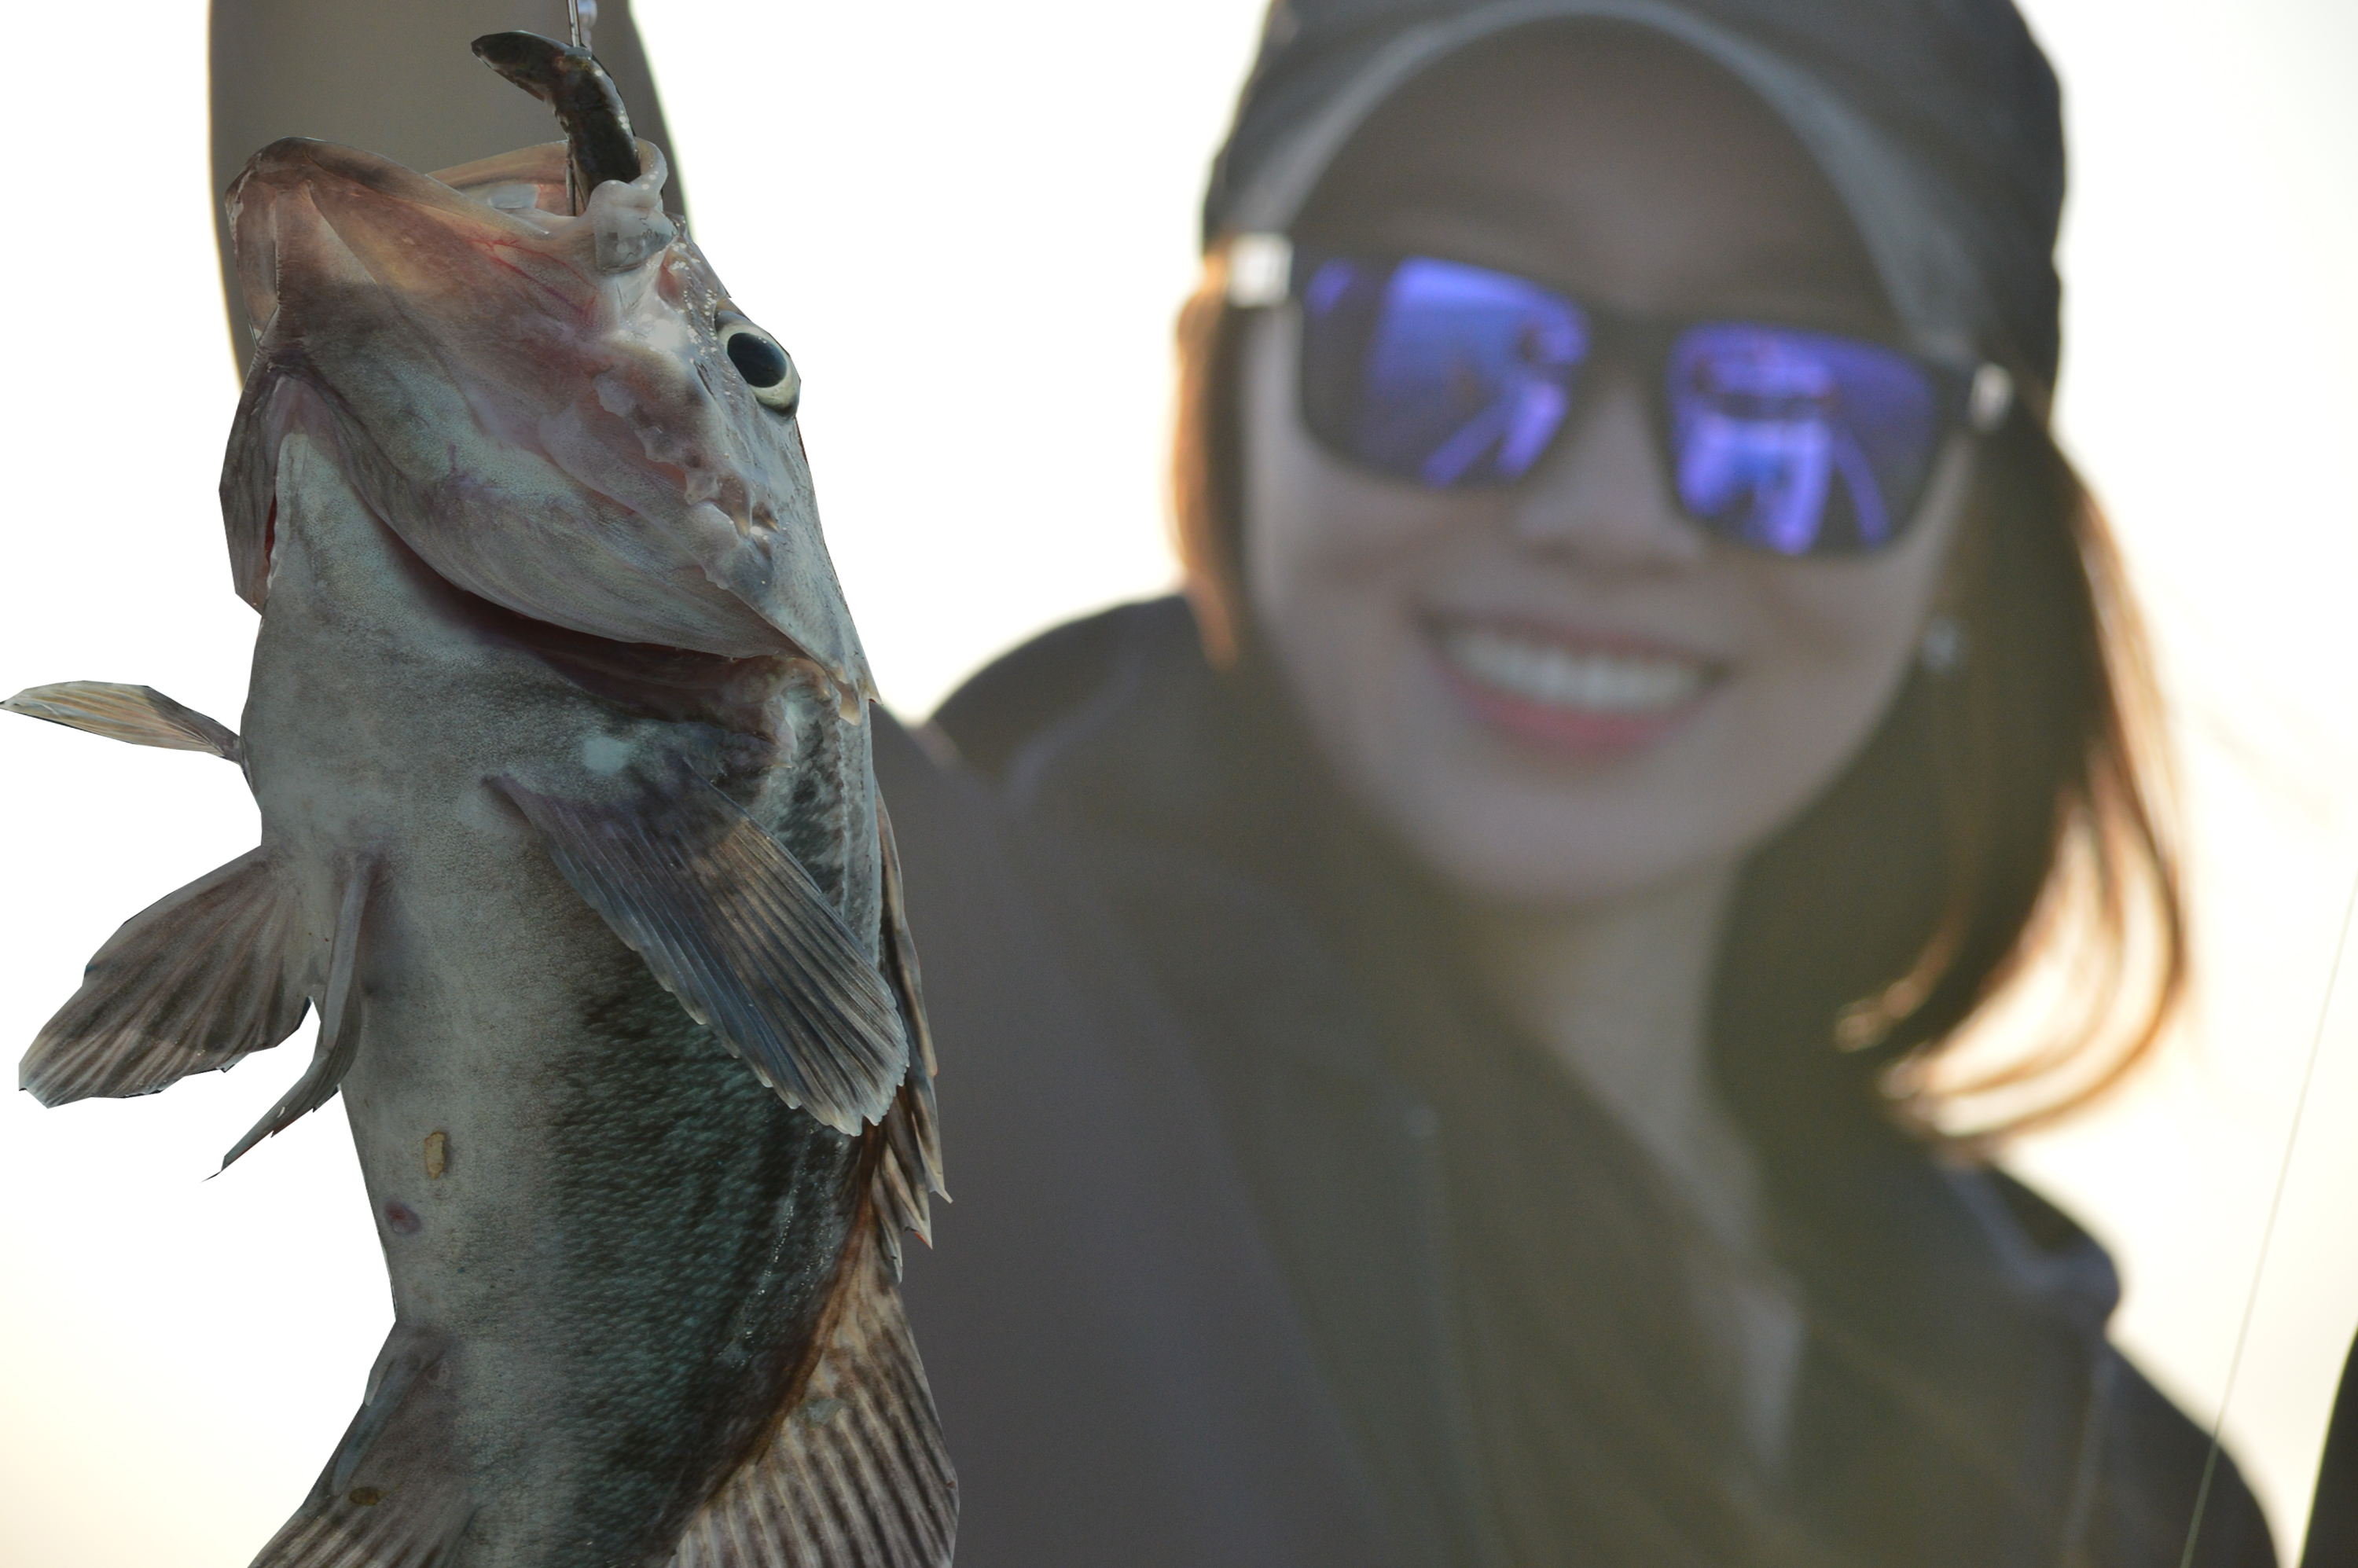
(1559, 678)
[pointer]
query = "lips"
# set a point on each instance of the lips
(1564, 692)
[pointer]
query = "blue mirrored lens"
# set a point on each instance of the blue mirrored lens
(1799, 442)
(1437, 372)
(1456, 376)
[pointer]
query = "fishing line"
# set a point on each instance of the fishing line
(2269, 1231)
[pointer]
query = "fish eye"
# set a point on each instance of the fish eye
(767, 368)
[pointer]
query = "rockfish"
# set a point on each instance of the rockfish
(557, 727)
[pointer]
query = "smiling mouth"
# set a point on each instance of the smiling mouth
(1569, 695)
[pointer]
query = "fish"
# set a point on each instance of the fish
(560, 731)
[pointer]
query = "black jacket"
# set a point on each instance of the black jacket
(1189, 1193)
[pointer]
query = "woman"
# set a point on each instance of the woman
(1647, 665)
(1444, 1029)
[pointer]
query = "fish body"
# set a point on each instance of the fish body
(557, 728)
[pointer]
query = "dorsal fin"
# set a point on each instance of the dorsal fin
(909, 1172)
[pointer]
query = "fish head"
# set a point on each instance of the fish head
(561, 412)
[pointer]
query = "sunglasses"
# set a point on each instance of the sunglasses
(1458, 377)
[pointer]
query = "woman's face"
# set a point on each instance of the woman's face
(1566, 693)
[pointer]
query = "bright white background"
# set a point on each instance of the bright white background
(972, 223)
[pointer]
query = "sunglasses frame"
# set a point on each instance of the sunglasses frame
(1972, 395)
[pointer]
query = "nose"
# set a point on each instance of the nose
(1602, 498)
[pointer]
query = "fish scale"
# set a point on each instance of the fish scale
(557, 727)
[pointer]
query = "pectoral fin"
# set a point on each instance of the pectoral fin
(857, 1476)
(139, 714)
(340, 1034)
(191, 984)
(733, 925)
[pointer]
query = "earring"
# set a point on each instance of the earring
(1943, 649)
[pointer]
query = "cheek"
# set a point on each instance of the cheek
(1833, 640)
(1329, 579)
(1824, 671)
(1316, 529)
(1334, 560)
(1832, 645)
(1828, 646)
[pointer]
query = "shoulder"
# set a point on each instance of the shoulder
(1029, 691)
(2041, 1252)
(948, 777)
(2153, 1487)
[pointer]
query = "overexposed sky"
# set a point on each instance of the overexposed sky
(972, 225)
